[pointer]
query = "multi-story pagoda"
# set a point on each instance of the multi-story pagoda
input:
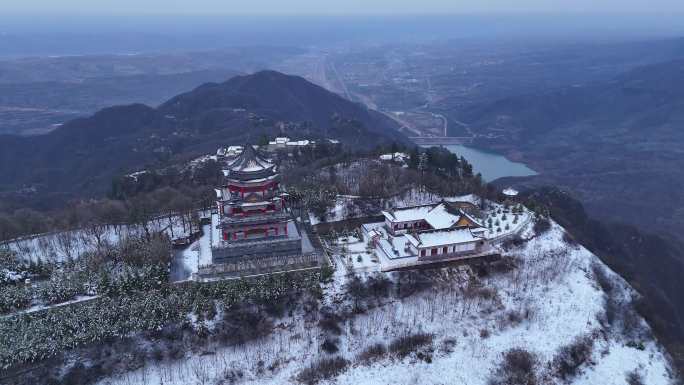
(253, 220)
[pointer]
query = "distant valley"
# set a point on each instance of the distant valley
(600, 119)
(616, 144)
(37, 94)
(51, 104)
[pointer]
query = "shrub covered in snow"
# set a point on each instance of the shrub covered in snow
(602, 278)
(634, 378)
(330, 346)
(322, 370)
(403, 346)
(571, 357)
(14, 298)
(519, 367)
(330, 322)
(119, 279)
(372, 353)
(14, 270)
(375, 286)
(541, 225)
(60, 288)
(242, 324)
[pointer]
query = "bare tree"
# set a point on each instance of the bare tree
(182, 205)
(96, 231)
(65, 243)
(141, 212)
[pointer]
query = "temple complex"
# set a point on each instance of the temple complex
(253, 220)
(421, 234)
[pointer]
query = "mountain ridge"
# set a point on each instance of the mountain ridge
(284, 101)
(82, 156)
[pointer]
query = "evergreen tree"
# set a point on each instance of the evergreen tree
(422, 162)
(263, 140)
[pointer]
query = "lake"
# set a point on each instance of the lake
(490, 165)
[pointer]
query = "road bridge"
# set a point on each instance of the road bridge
(440, 140)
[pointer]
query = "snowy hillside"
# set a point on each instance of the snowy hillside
(554, 301)
(64, 245)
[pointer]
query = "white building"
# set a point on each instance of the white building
(395, 157)
(229, 152)
(279, 141)
(284, 142)
(446, 243)
(510, 192)
(428, 232)
(441, 216)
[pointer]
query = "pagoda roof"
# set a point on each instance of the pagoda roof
(250, 161)
(227, 174)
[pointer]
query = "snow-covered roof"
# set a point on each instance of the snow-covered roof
(374, 233)
(394, 156)
(250, 161)
(437, 216)
(441, 238)
(472, 219)
(470, 198)
(299, 143)
(510, 192)
(231, 150)
(407, 214)
(254, 204)
(440, 218)
(279, 141)
(368, 227)
(395, 247)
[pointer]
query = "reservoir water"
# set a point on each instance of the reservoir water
(490, 165)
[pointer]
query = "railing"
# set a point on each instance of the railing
(479, 249)
(244, 266)
(256, 219)
(486, 255)
(512, 234)
(256, 242)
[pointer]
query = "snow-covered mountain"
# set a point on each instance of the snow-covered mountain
(549, 313)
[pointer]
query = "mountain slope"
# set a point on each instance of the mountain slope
(83, 154)
(617, 145)
(651, 264)
(81, 157)
(552, 300)
(286, 98)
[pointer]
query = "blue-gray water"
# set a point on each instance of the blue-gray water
(492, 166)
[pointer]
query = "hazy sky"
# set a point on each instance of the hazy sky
(339, 6)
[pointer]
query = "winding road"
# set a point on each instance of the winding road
(327, 75)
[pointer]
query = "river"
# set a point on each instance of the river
(490, 165)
